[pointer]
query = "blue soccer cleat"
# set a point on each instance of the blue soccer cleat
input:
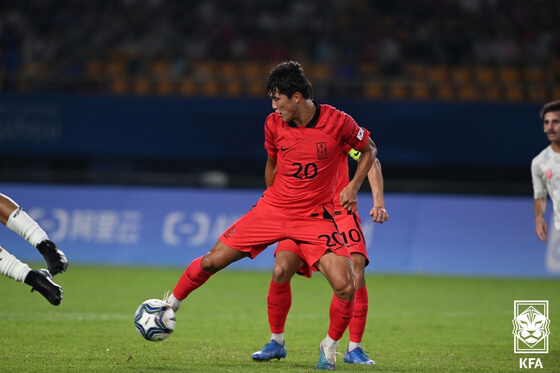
(358, 356)
(272, 350)
(324, 363)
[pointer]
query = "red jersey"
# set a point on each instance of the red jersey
(308, 158)
(343, 178)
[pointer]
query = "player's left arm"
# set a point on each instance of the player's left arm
(375, 178)
(349, 195)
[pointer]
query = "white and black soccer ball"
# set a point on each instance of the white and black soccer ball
(154, 320)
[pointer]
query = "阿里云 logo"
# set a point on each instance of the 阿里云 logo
(531, 326)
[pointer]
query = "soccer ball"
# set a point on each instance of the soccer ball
(154, 320)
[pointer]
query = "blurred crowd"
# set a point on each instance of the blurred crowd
(55, 42)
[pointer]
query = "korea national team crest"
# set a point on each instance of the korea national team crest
(531, 326)
(321, 150)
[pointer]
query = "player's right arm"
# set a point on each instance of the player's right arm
(540, 223)
(539, 198)
(270, 171)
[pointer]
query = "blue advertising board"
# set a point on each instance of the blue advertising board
(431, 234)
(407, 133)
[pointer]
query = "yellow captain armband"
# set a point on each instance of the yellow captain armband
(354, 154)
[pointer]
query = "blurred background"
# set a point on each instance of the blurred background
(160, 93)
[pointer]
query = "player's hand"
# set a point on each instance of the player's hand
(542, 229)
(379, 214)
(348, 199)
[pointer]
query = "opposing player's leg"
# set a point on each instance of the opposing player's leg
(279, 300)
(339, 273)
(355, 353)
(12, 267)
(17, 220)
(40, 280)
(201, 269)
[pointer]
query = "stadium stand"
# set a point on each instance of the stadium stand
(453, 50)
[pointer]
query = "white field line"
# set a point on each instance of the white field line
(71, 316)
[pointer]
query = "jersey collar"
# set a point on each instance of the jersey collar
(313, 122)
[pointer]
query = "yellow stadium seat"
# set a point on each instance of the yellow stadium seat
(165, 87)
(485, 74)
(461, 74)
(119, 86)
(445, 91)
(256, 88)
(467, 92)
(534, 74)
(141, 86)
(210, 87)
(398, 90)
(116, 68)
(374, 90)
(437, 74)
(187, 87)
(233, 87)
(509, 75)
(420, 91)
(160, 68)
(537, 93)
(94, 69)
(491, 93)
(513, 93)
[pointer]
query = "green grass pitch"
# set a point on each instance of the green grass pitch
(415, 324)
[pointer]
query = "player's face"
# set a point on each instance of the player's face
(284, 106)
(551, 125)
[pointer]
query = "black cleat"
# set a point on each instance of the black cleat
(41, 280)
(55, 258)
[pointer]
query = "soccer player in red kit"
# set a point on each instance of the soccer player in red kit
(288, 262)
(304, 142)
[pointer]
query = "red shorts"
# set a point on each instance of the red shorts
(350, 228)
(264, 225)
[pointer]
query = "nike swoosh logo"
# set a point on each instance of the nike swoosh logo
(284, 149)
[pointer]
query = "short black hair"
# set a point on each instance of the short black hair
(549, 106)
(288, 78)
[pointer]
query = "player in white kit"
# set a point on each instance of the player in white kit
(545, 171)
(17, 220)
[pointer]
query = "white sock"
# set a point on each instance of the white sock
(173, 302)
(278, 338)
(330, 343)
(354, 345)
(11, 266)
(329, 347)
(22, 224)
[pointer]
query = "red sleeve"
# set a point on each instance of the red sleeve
(270, 137)
(353, 135)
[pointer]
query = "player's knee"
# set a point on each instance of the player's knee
(207, 264)
(359, 279)
(282, 272)
(345, 290)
